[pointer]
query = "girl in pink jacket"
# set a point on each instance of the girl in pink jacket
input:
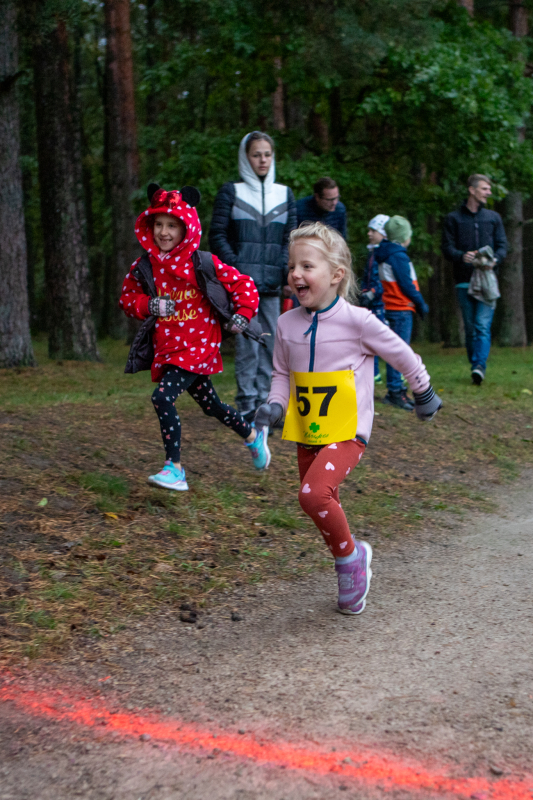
(323, 381)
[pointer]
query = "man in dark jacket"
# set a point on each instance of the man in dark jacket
(250, 229)
(323, 206)
(465, 231)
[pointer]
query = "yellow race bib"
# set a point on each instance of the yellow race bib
(322, 408)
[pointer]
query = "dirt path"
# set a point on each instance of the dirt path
(436, 677)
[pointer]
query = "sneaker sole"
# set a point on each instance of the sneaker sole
(181, 486)
(347, 611)
(477, 380)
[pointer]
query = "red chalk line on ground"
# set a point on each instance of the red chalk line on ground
(368, 768)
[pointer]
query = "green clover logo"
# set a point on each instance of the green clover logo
(314, 427)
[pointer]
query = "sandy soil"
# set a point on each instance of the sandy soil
(438, 671)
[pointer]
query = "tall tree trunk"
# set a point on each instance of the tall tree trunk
(278, 98)
(513, 318)
(15, 342)
(335, 115)
(123, 165)
(469, 5)
(71, 332)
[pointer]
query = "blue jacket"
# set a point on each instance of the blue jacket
(398, 276)
(308, 211)
(370, 282)
(250, 227)
(464, 231)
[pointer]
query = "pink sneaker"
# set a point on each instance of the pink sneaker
(354, 580)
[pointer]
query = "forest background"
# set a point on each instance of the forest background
(398, 101)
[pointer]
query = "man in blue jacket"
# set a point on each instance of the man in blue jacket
(323, 205)
(465, 231)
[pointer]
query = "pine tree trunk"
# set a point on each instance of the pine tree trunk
(469, 5)
(513, 318)
(123, 164)
(278, 100)
(512, 331)
(15, 343)
(71, 332)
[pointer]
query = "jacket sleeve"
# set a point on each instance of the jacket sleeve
(449, 250)
(290, 225)
(242, 289)
(133, 301)
(281, 375)
(500, 241)
(377, 339)
(219, 238)
(401, 268)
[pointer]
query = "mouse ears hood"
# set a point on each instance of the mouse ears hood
(180, 204)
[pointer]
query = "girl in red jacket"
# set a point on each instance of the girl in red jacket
(187, 334)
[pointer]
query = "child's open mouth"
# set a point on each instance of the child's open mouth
(301, 290)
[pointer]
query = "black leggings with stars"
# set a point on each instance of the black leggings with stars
(174, 382)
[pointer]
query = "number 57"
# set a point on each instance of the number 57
(328, 391)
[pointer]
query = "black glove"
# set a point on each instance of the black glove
(427, 404)
(367, 298)
(267, 415)
(237, 324)
(161, 306)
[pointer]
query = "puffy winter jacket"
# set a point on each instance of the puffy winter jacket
(464, 231)
(370, 282)
(251, 224)
(398, 276)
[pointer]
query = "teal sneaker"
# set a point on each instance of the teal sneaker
(170, 477)
(259, 449)
(378, 379)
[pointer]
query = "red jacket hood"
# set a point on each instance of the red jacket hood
(170, 203)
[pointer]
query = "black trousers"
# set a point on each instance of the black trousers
(174, 382)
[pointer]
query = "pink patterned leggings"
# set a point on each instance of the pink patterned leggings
(322, 470)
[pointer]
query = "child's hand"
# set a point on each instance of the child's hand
(237, 324)
(427, 404)
(267, 415)
(161, 306)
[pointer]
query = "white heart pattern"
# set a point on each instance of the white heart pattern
(343, 545)
(329, 465)
(306, 489)
(322, 514)
(332, 446)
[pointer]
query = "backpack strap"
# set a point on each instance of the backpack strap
(144, 273)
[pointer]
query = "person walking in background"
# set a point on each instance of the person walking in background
(465, 231)
(401, 297)
(324, 206)
(250, 228)
(371, 288)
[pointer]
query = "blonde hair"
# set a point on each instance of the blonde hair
(335, 251)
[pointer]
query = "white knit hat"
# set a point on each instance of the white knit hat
(377, 223)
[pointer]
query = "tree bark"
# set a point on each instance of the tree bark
(71, 332)
(123, 164)
(469, 5)
(15, 342)
(512, 331)
(513, 317)
(278, 99)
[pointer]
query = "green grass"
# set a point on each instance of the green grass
(94, 435)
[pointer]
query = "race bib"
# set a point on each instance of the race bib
(322, 408)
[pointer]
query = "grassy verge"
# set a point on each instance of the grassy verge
(86, 543)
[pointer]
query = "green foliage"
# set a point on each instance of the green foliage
(398, 101)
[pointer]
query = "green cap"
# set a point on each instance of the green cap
(398, 229)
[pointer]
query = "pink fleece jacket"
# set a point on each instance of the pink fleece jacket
(346, 337)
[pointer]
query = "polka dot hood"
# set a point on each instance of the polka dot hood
(190, 338)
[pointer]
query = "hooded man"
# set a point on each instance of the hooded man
(250, 228)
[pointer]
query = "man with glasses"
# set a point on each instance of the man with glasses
(323, 206)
